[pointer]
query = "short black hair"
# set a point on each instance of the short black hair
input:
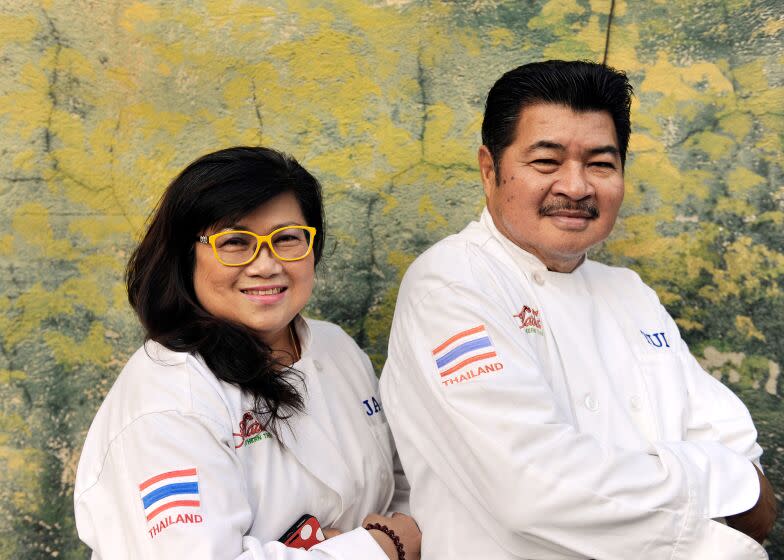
(218, 189)
(580, 85)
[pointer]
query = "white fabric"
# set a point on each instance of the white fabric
(167, 412)
(581, 437)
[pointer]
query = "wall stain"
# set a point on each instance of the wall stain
(100, 109)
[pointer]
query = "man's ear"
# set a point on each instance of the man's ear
(487, 170)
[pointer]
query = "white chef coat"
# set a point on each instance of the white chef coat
(543, 415)
(170, 431)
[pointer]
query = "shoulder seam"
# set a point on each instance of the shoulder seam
(127, 426)
(433, 290)
(465, 244)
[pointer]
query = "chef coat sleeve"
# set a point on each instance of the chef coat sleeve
(400, 503)
(506, 449)
(715, 413)
(171, 456)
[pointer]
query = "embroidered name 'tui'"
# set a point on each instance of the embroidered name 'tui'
(657, 340)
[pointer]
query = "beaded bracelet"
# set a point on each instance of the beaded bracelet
(401, 554)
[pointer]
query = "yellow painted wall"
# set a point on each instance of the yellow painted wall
(101, 103)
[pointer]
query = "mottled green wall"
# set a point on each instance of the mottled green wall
(102, 102)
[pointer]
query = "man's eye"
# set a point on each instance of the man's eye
(605, 164)
(545, 162)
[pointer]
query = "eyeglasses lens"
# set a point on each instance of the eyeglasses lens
(291, 243)
(238, 248)
(235, 248)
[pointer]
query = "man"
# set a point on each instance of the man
(544, 405)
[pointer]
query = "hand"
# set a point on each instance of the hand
(404, 527)
(758, 521)
(331, 532)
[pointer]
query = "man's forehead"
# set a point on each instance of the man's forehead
(550, 125)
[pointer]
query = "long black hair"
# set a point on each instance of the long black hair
(580, 85)
(215, 190)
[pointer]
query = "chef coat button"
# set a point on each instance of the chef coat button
(635, 402)
(538, 278)
(384, 475)
(591, 403)
(318, 365)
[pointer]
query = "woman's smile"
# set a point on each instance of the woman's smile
(266, 295)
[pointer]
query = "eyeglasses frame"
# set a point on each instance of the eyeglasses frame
(260, 240)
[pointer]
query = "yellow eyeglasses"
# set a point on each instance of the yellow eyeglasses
(238, 247)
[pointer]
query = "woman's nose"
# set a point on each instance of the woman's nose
(265, 263)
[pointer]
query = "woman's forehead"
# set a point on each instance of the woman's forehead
(283, 209)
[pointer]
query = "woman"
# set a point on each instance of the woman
(238, 416)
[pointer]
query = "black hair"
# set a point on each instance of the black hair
(580, 85)
(218, 189)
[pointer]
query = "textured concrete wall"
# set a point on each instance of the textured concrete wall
(101, 102)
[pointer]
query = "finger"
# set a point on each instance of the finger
(373, 518)
(402, 517)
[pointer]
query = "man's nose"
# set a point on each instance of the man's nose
(573, 182)
(265, 263)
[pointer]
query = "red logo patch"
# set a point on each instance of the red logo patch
(251, 431)
(529, 320)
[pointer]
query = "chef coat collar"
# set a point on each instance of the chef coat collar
(523, 258)
(303, 335)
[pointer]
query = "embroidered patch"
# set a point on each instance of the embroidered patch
(529, 320)
(454, 356)
(250, 432)
(657, 340)
(169, 490)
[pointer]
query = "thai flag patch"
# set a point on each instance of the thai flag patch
(463, 349)
(172, 489)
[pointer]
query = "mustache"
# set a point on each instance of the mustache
(585, 206)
